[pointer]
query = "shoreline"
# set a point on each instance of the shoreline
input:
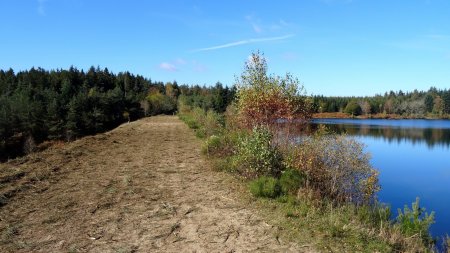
(341, 115)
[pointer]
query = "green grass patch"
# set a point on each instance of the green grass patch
(267, 187)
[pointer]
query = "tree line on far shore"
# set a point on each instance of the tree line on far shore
(432, 103)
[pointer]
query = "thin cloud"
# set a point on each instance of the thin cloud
(244, 42)
(41, 9)
(256, 28)
(254, 23)
(180, 61)
(198, 67)
(279, 25)
(168, 67)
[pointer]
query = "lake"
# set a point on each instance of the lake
(413, 157)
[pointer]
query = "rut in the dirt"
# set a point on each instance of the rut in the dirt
(142, 187)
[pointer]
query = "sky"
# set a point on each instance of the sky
(334, 47)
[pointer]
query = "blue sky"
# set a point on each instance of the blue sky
(335, 47)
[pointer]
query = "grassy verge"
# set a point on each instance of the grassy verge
(307, 206)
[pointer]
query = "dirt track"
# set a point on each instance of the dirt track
(142, 187)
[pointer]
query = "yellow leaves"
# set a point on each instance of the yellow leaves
(337, 168)
(263, 99)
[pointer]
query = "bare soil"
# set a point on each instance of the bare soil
(142, 187)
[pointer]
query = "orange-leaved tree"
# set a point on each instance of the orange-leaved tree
(264, 100)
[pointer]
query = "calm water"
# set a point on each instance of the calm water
(413, 157)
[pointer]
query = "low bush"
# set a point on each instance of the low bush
(222, 145)
(291, 181)
(289, 199)
(213, 123)
(337, 168)
(416, 221)
(256, 156)
(266, 187)
(376, 215)
(212, 145)
(191, 123)
(204, 123)
(223, 164)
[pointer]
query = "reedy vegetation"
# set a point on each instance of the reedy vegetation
(319, 185)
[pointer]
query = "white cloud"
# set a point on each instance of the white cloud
(168, 67)
(244, 42)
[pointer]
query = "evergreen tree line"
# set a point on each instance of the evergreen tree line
(431, 103)
(38, 105)
(215, 98)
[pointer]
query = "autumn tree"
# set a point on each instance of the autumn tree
(438, 105)
(365, 107)
(264, 99)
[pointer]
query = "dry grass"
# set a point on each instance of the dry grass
(142, 187)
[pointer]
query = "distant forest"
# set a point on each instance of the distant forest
(38, 105)
(417, 104)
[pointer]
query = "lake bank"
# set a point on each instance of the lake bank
(341, 115)
(412, 158)
(330, 225)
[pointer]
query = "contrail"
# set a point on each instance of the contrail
(243, 42)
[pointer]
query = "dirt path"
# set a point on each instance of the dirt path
(142, 187)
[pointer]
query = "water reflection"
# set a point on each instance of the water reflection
(397, 132)
(412, 157)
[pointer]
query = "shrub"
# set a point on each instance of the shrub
(191, 122)
(416, 221)
(353, 108)
(205, 123)
(213, 123)
(212, 144)
(159, 103)
(223, 164)
(263, 99)
(291, 180)
(256, 156)
(266, 187)
(337, 168)
(377, 215)
(199, 115)
(222, 145)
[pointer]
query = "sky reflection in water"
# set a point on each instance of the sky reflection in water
(413, 157)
